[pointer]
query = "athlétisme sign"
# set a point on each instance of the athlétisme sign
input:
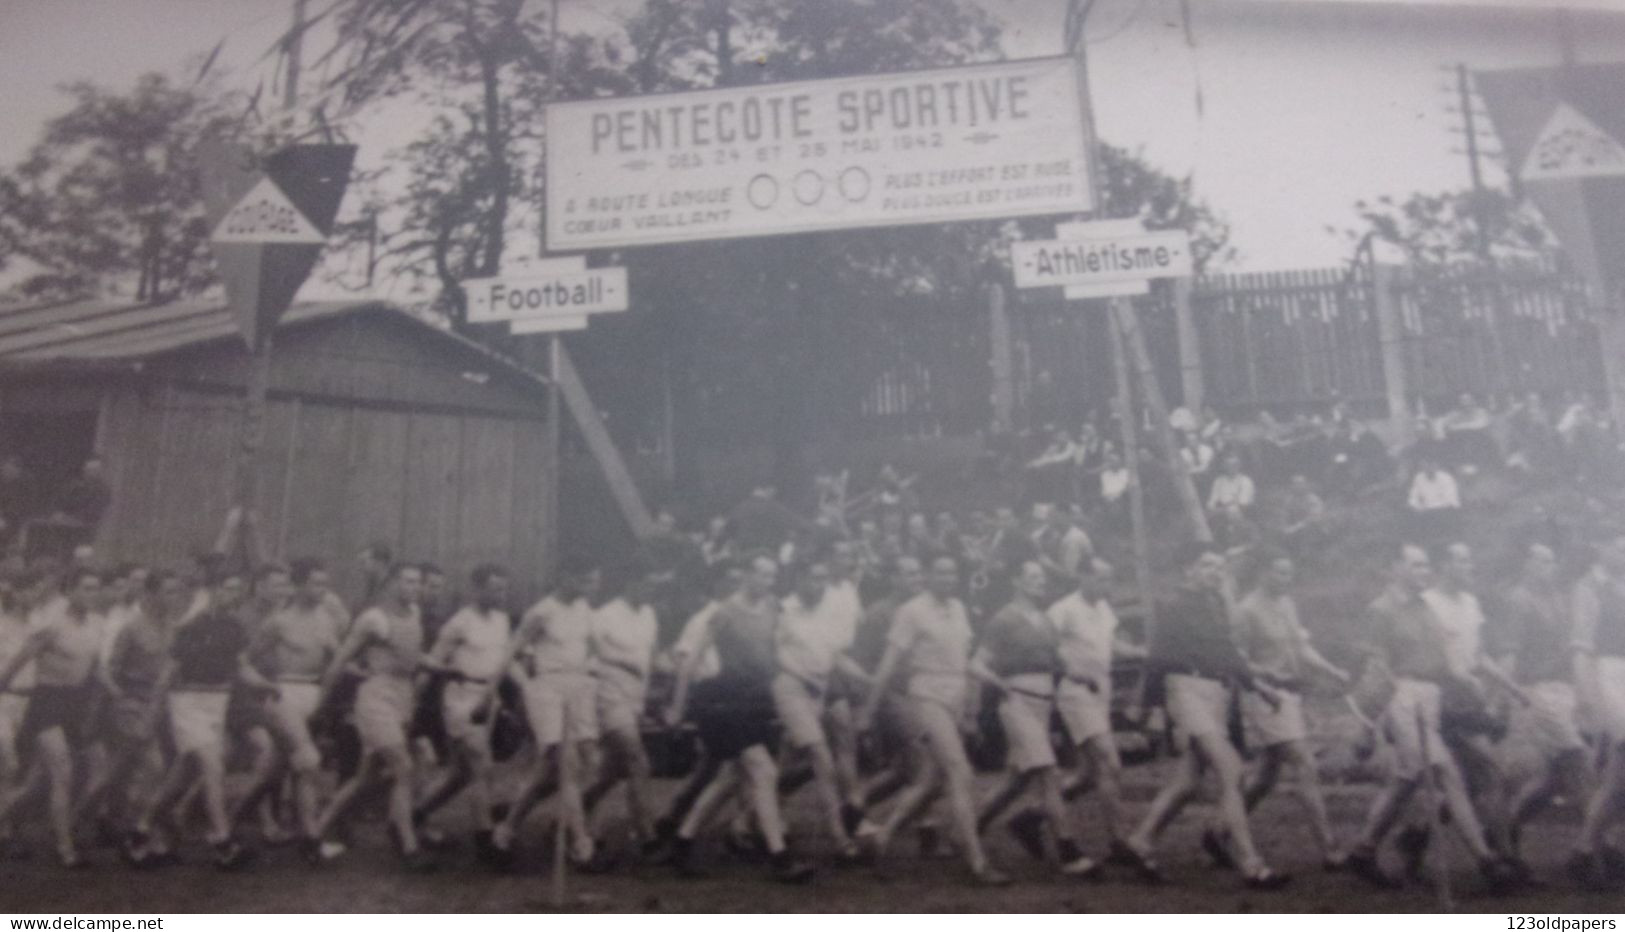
(1096, 259)
(975, 142)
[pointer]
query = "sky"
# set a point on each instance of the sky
(1284, 112)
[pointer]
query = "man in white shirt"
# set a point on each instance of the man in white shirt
(1434, 500)
(1088, 642)
(470, 652)
(814, 633)
(1230, 498)
(623, 635)
(560, 700)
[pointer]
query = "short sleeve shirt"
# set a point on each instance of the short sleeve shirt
(1461, 625)
(1085, 634)
(934, 637)
(474, 643)
(809, 640)
(558, 634)
(1406, 636)
(1535, 629)
(1271, 636)
(623, 639)
(1020, 640)
(207, 649)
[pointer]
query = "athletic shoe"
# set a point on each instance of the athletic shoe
(432, 839)
(787, 869)
(746, 845)
(1028, 830)
(1500, 874)
(1143, 866)
(1364, 866)
(1588, 871)
(991, 876)
(1083, 868)
(1413, 847)
(1267, 879)
(851, 817)
(229, 855)
(1217, 851)
(1334, 863)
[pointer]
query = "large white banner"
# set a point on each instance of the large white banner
(974, 142)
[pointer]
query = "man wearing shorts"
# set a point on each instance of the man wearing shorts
(133, 678)
(1598, 649)
(815, 630)
(1407, 649)
(734, 713)
(295, 646)
(623, 635)
(470, 651)
(1531, 639)
(929, 646)
(207, 657)
(387, 639)
(64, 650)
(1279, 653)
(1193, 653)
(1087, 641)
(16, 625)
(1017, 657)
(560, 701)
(248, 722)
(902, 757)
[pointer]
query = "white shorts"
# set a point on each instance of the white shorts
(197, 722)
(621, 698)
(1550, 722)
(1610, 705)
(1198, 706)
(1412, 720)
(459, 702)
(935, 725)
(383, 710)
(289, 716)
(13, 706)
(1085, 713)
(552, 698)
(801, 713)
(1025, 719)
(1271, 725)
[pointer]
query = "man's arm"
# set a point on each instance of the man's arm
(688, 665)
(360, 633)
(31, 648)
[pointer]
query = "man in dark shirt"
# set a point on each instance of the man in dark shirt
(1407, 649)
(1530, 638)
(1017, 658)
(207, 656)
(1192, 653)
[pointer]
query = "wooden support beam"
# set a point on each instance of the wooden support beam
(1391, 343)
(1193, 383)
(600, 444)
(1003, 359)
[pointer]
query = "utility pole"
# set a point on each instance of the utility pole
(1470, 128)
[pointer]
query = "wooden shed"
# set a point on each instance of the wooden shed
(380, 427)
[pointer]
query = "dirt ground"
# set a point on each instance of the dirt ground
(368, 879)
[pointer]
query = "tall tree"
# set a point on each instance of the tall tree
(109, 197)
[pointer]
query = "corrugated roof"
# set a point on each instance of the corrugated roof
(98, 331)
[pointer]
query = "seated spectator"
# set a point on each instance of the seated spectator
(1198, 457)
(1302, 520)
(1532, 440)
(1062, 546)
(1051, 471)
(1230, 500)
(1434, 501)
(1114, 486)
(1469, 445)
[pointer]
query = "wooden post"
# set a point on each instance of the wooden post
(1193, 382)
(1003, 362)
(1611, 334)
(1133, 340)
(253, 425)
(1131, 445)
(1391, 343)
(568, 383)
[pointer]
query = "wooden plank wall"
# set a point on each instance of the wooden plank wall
(456, 490)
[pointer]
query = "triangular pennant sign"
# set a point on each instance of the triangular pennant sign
(1564, 133)
(1571, 146)
(270, 219)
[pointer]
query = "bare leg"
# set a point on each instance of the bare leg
(57, 758)
(761, 787)
(543, 782)
(1107, 767)
(1015, 785)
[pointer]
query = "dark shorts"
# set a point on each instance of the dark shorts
(70, 708)
(732, 715)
